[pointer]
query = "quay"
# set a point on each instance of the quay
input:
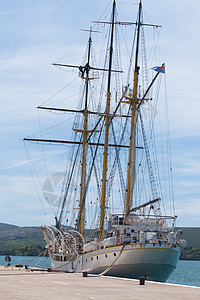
(21, 283)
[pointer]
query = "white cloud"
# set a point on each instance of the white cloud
(189, 212)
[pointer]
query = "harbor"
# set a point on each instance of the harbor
(22, 283)
(101, 162)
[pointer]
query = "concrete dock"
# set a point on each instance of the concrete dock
(22, 284)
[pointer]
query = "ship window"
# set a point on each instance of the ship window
(97, 257)
(120, 221)
(106, 255)
(153, 244)
(132, 230)
(91, 258)
(86, 260)
(114, 254)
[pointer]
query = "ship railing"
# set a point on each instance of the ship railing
(121, 219)
(146, 240)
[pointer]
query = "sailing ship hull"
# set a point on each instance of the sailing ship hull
(154, 261)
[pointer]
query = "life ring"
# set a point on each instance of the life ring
(119, 241)
(161, 222)
(129, 220)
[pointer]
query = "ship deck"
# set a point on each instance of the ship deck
(18, 283)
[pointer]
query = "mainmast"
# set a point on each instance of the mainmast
(134, 117)
(81, 219)
(105, 159)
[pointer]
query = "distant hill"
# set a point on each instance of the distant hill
(12, 232)
(192, 236)
(16, 240)
(4, 227)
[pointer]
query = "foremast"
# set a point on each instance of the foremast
(107, 118)
(134, 117)
(84, 73)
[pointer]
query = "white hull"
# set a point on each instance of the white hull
(157, 261)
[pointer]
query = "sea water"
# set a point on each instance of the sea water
(31, 261)
(187, 272)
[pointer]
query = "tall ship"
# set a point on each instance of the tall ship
(111, 214)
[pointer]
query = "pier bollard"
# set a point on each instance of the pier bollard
(85, 274)
(19, 266)
(142, 280)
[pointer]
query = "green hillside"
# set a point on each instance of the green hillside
(15, 240)
(192, 236)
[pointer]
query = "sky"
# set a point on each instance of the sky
(36, 33)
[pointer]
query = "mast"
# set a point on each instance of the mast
(107, 118)
(81, 218)
(134, 117)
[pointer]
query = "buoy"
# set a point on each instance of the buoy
(119, 241)
(161, 222)
(129, 220)
(182, 243)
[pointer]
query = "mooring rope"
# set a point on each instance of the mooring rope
(43, 252)
(101, 274)
(40, 258)
(110, 267)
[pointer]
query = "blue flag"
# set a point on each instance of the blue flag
(159, 69)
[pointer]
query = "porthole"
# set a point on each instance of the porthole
(114, 254)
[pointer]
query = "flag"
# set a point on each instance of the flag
(159, 69)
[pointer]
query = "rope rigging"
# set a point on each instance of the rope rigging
(150, 168)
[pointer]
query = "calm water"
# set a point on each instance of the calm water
(16, 260)
(186, 273)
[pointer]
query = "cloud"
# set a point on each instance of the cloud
(189, 213)
(18, 164)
